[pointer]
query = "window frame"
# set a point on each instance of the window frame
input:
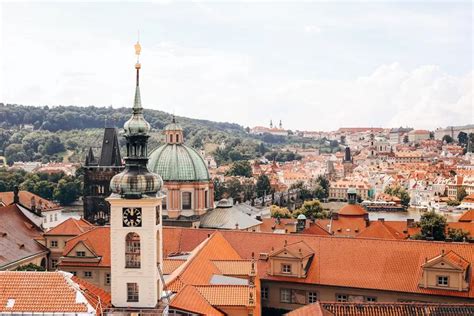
(132, 251)
(264, 293)
(87, 274)
(312, 297)
(285, 271)
(443, 277)
(190, 201)
(54, 263)
(282, 296)
(107, 278)
(135, 296)
(80, 254)
(340, 299)
(53, 244)
(370, 299)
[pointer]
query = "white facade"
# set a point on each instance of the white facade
(146, 276)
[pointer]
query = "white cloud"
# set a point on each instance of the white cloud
(312, 29)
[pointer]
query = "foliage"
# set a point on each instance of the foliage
(432, 225)
(461, 194)
(453, 202)
(447, 139)
(282, 156)
(240, 168)
(405, 139)
(399, 192)
(462, 138)
(263, 185)
(457, 234)
(30, 267)
(312, 209)
(279, 212)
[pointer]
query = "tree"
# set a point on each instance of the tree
(457, 234)
(279, 212)
(453, 203)
(241, 168)
(399, 192)
(304, 192)
(312, 209)
(263, 185)
(67, 191)
(30, 267)
(248, 188)
(447, 139)
(461, 194)
(233, 189)
(323, 182)
(462, 138)
(433, 225)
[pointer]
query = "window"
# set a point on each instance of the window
(45, 219)
(132, 251)
(186, 200)
(285, 296)
(171, 138)
(50, 217)
(87, 274)
(80, 253)
(74, 273)
(264, 293)
(442, 280)
(132, 292)
(286, 268)
(54, 263)
(206, 199)
(370, 299)
(177, 138)
(341, 298)
(312, 297)
(157, 215)
(56, 217)
(54, 244)
(107, 278)
(163, 202)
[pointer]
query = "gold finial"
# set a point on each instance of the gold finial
(138, 50)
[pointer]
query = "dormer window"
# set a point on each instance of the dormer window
(286, 268)
(442, 280)
(80, 253)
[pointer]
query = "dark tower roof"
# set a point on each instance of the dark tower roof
(90, 159)
(110, 155)
(347, 154)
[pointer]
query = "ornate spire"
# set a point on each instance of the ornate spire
(137, 104)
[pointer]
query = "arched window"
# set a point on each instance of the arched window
(177, 138)
(171, 138)
(186, 203)
(132, 251)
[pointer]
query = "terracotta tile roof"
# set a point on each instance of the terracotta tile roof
(468, 216)
(298, 249)
(378, 229)
(40, 292)
(70, 227)
(169, 265)
(98, 240)
(233, 267)
(352, 210)
(394, 265)
(344, 226)
(465, 226)
(189, 299)
(396, 309)
(268, 225)
(97, 297)
(227, 295)
(17, 236)
(453, 258)
(26, 200)
(316, 229)
(314, 309)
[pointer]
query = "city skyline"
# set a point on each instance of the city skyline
(315, 66)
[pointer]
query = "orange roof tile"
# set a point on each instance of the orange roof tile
(378, 229)
(316, 229)
(169, 265)
(97, 297)
(233, 267)
(26, 198)
(98, 239)
(468, 216)
(352, 210)
(39, 292)
(314, 309)
(189, 299)
(70, 227)
(228, 295)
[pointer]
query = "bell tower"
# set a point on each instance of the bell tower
(135, 219)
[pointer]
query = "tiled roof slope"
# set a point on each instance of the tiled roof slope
(97, 297)
(310, 310)
(468, 216)
(390, 265)
(25, 200)
(233, 267)
(189, 299)
(378, 229)
(17, 236)
(98, 240)
(41, 292)
(70, 227)
(396, 309)
(227, 295)
(169, 265)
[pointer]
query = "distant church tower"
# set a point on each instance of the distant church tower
(347, 162)
(97, 176)
(135, 222)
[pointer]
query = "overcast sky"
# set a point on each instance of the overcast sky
(315, 66)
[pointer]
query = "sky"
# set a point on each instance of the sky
(313, 65)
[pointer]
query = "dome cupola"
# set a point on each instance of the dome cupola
(136, 180)
(174, 133)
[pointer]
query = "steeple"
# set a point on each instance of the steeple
(136, 180)
(90, 160)
(271, 124)
(281, 125)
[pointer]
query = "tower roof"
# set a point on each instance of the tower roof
(110, 154)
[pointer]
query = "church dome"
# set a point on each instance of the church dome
(352, 210)
(178, 162)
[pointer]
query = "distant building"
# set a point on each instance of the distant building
(396, 135)
(273, 130)
(418, 135)
(453, 131)
(97, 176)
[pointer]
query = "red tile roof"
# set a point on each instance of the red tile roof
(97, 297)
(228, 295)
(189, 299)
(378, 229)
(26, 198)
(70, 227)
(31, 292)
(314, 309)
(17, 236)
(468, 216)
(352, 210)
(316, 229)
(98, 240)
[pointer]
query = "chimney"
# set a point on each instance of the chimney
(410, 222)
(381, 219)
(16, 198)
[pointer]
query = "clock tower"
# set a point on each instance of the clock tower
(135, 219)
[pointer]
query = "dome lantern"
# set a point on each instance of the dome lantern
(174, 133)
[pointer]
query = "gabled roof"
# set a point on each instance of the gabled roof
(17, 236)
(97, 297)
(378, 229)
(468, 216)
(31, 292)
(110, 153)
(314, 309)
(298, 249)
(316, 229)
(191, 300)
(70, 227)
(451, 258)
(98, 240)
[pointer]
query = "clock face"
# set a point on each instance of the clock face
(132, 217)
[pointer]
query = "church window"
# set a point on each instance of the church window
(132, 292)
(442, 280)
(171, 138)
(206, 199)
(177, 138)
(186, 200)
(132, 251)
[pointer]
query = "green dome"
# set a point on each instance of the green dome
(177, 162)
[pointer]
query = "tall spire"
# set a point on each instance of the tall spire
(137, 104)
